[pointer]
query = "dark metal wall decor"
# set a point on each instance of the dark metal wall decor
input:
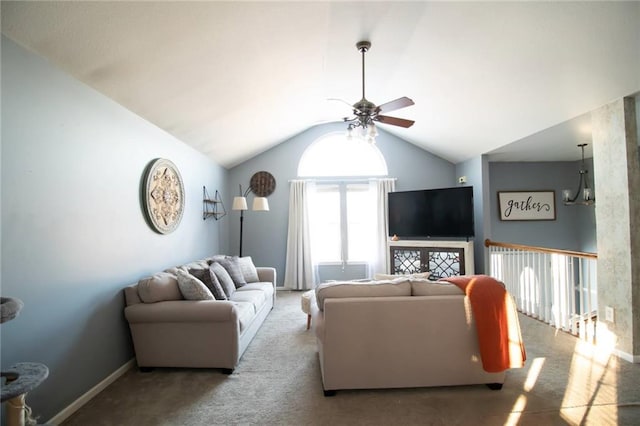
(262, 184)
(163, 196)
(212, 207)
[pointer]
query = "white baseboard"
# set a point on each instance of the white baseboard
(627, 356)
(75, 405)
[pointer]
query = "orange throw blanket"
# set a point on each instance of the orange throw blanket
(496, 317)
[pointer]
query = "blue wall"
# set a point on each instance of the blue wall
(265, 233)
(73, 230)
(476, 172)
(574, 227)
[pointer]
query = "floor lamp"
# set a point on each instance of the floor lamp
(240, 203)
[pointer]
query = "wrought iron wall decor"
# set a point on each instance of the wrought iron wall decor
(212, 207)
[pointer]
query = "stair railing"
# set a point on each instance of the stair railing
(558, 287)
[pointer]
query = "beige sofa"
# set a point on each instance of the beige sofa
(397, 334)
(169, 331)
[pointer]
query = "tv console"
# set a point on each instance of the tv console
(441, 258)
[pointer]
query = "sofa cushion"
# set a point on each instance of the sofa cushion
(255, 297)
(159, 287)
(231, 264)
(249, 271)
(131, 295)
(210, 280)
(265, 287)
(342, 289)
(192, 288)
(424, 287)
(407, 276)
(224, 278)
(246, 314)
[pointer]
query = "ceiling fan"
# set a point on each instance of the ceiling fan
(366, 112)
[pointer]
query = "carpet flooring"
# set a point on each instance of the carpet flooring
(564, 382)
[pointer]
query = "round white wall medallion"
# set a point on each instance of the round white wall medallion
(163, 195)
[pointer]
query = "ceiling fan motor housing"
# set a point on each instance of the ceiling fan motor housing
(363, 106)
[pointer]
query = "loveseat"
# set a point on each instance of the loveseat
(405, 332)
(175, 322)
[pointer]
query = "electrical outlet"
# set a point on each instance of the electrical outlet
(462, 179)
(608, 314)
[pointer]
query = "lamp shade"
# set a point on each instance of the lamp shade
(260, 204)
(239, 203)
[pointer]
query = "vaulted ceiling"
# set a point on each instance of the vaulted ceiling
(233, 79)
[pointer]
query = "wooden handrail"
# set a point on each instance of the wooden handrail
(488, 243)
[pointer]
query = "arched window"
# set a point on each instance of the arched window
(335, 155)
(342, 199)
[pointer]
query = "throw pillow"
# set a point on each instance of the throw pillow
(159, 287)
(225, 279)
(232, 266)
(198, 264)
(218, 289)
(192, 288)
(210, 281)
(215, 258)
(249, 271)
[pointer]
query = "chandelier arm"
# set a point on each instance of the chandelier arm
(573, 200)
(586, 179)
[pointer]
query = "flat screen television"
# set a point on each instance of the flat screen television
(432, 213)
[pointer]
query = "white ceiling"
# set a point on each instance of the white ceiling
(233, 79)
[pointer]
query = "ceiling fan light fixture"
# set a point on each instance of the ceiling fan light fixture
(371, 130)
(366, 112)
(350, 132)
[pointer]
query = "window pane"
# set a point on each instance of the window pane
(324, 215)
(361, 215)
(334, 155)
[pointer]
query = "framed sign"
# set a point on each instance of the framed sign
(527, 205)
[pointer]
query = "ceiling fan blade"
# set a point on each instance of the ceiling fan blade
(344, 102)
(395, 104)
(340, 100)
(394, 121)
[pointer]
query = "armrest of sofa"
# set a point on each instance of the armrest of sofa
(267, 274)
(182, 311)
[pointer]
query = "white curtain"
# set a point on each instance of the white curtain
(380, 256)
(299, 273)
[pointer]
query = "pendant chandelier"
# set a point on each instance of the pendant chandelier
(584, 190)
